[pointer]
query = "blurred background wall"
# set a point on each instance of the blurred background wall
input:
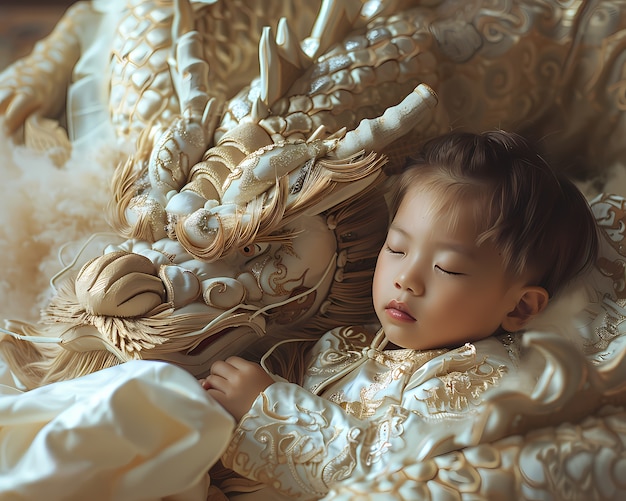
(23, 22)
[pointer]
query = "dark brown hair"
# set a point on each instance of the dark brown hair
(538, 220)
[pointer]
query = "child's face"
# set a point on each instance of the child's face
(433, 286)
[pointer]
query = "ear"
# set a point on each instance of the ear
(533, 301)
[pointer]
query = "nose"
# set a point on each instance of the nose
(409, 280)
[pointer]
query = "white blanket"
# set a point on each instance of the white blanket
(139, 431)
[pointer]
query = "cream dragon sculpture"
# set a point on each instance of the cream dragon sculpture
(211, 242)
(247, 206)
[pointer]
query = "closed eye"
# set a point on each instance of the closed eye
(449, 272)
(392, 251)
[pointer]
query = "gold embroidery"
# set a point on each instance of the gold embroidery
(610, 212)
(342, 466)
(351, 342)
(398, 364)
(304, 440)
(459, 390)
(612, 325)
(379, 438)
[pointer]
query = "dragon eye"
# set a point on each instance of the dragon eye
(253, 249)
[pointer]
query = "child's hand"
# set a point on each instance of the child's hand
(235, 384)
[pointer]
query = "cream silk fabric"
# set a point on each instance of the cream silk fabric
(361, 409)
(141, 430)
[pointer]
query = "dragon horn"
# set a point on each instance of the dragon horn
(281, 62)
(335, 19)
(183, 18)
(377, 133)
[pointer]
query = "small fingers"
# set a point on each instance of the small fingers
(233, 374)
(216, 382)
(220, 398)
(230, 366)
(245, 366)
(222, 368)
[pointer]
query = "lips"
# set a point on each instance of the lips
(398, 311)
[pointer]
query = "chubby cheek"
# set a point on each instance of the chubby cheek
(446, 306)
(475, 315)
(379, 286)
